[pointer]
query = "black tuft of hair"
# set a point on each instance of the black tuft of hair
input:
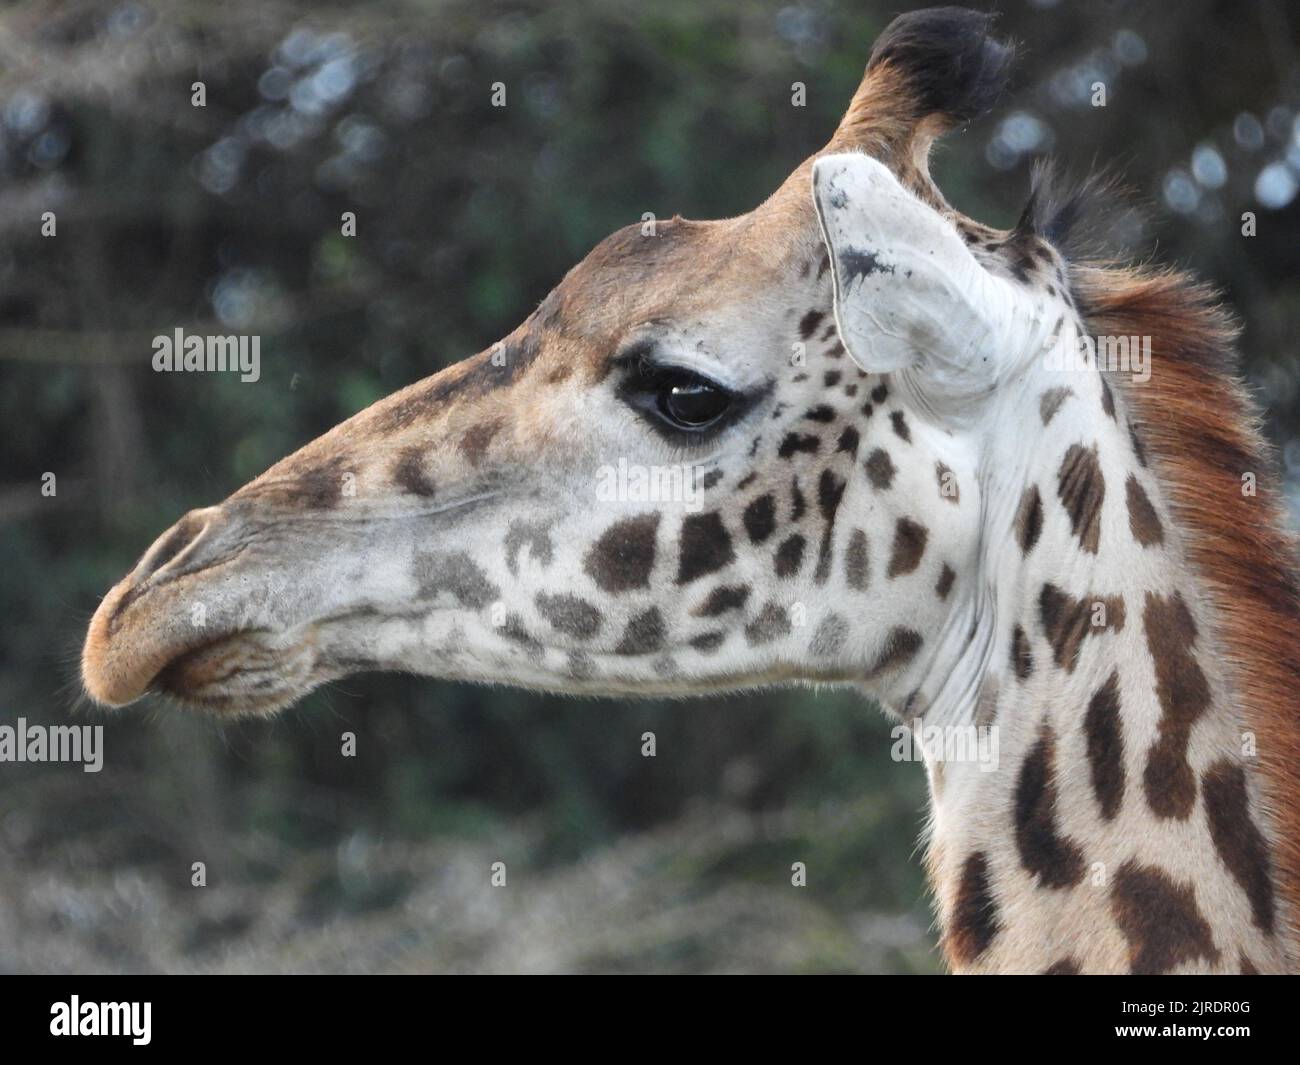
(1060, 208)
(954, 64)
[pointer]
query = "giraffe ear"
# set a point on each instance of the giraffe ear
(908, 292)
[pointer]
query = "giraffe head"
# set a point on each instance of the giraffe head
(718, 454)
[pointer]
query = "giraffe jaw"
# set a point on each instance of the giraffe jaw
(257, 674)
(245, 674)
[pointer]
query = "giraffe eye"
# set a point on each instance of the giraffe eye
(676, 401)
(689, 401)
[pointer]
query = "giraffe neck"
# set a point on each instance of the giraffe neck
(1117, 829)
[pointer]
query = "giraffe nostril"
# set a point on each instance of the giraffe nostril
(173, 543)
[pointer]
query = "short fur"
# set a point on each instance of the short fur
(1201, 432)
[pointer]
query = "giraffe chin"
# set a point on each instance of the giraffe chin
(245, 674)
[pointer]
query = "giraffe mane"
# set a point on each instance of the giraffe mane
(1201, 431)
(1068, 210)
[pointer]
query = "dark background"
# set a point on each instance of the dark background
(225, 219)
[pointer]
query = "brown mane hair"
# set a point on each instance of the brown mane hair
(1200, 431)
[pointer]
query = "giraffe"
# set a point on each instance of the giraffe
(896, 485)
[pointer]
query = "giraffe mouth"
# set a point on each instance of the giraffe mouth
(243, 673)
(227, 671)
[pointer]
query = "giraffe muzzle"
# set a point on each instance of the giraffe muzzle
(189, 616)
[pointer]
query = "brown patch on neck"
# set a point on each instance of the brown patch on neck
(1160, 919)
(1184, 696)
(1239, 843)
(1200, 430)
(1067, 621)
(1056, 860)
(1082, 489)
(973, 923)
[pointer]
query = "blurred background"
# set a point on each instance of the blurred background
(226, 218)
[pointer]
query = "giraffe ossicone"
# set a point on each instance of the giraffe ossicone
(918, 503)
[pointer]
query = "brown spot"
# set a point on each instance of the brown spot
(1022, 656)
(848, 441)
(830, 492)
(1063, 967)
(723, 598)
(318, 487)
(705, 547)
(1238, 839)
(900, 647)
(1107, 399)
(1082, 490)
(857, 561)
(899, 423)
(772, 621)
(1246, 965)
(1103, 727)
(1066, 621)
(797, 502)
(974, 923)
(1054, 859)
(760, 518)
(880, 469)
(1050, 402)
(828, 641)
(644, 634)
(795, 443)
(944, 584)
(570, 615)
(708, 642)
(789, 556)
(408, 472)
(475, 442)
(809, 323)
(534, 535)
(1160, 920)
(909, 546)
(1139, 450)
(624, 555)
(1143, 522)
(1029, 519)
(456, 574)
(948, 488)
(1184, 695)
